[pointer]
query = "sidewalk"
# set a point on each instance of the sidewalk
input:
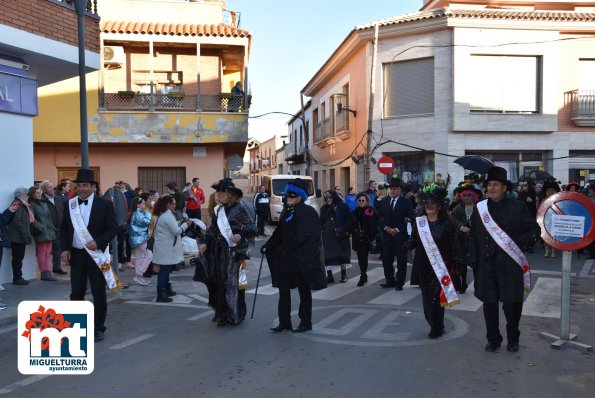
(60, 290)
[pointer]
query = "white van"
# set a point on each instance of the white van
(275, 185)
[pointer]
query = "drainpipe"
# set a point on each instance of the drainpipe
(80, 7)
(371, 108)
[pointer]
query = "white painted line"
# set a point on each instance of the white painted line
(337, 290)
(199, 298)
(166, 304)
(586, 270)
(22, 383)
(8, 329)
(544, 299)
(266, 290)
(555, 273)
(395, 297)
(468, 300)
(132, 341)
(199, 316)
(180, 299)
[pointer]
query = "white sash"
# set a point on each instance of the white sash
(450, 294)
(102, 259)
(223, 224)
(505, 242)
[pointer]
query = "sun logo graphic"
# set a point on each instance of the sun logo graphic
(55, 337)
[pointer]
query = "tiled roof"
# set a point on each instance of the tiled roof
(503, 14)
(173, 29)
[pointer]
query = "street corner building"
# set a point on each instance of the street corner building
(160, 106)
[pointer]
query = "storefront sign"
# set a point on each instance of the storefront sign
(18, 95)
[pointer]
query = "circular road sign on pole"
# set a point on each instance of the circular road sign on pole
(566, 221)
(386, 165)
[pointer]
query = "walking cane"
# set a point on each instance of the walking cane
(256, 290)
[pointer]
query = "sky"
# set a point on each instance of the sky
(291, 40)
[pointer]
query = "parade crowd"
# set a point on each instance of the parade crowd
(486, 227)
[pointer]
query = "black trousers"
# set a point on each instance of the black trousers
(392, 248)
(56, 253)
(433, 311)
(123, 241)
(82, 267)
(512, 312)
(362, 260)
(18, 254)
(284, 307)
(260, 218)
(194, 213)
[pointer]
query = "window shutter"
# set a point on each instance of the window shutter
(409, 87)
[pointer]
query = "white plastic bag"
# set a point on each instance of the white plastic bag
(189, 246)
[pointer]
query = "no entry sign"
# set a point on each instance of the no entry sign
(385, 165)
(567, 221)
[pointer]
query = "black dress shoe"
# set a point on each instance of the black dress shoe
(59, 271)
(512, 347)
(362, 281)
(492, 347)
(99, 335)
(399, 287)
(280, 328)
(222, 322)
(388, 285)
(302, 328)
(434, 334)
(21, 282)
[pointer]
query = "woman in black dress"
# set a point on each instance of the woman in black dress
(444, 235)
(336, 227)
(365, 229)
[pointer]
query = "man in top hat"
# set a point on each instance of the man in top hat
(99, 220)
(501, 229)
(395, 211)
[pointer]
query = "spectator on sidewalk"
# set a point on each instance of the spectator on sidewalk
(261, 208)
(44, 232)
(118, 199)
(5, 219)
(172, 189)
(19, 233)
(56, 207)
(194, 197)
(63, 190)
(140, 220)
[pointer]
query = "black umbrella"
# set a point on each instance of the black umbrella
(479, 164)
(539, 175)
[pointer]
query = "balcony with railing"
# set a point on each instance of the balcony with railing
(174, 102)
(324, 132)
(295, 153)
(583, 107)
(342, 125)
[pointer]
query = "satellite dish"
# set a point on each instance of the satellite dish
(235, 162)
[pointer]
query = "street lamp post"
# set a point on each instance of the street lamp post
(80, 7)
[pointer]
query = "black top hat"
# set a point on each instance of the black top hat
(227, 185)
(85, 175)
(496, 173)
(550, 184)
(395, 183)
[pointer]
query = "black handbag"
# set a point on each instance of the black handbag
(151, 243)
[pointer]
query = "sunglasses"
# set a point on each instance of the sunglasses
(292, 195)
(362, 200)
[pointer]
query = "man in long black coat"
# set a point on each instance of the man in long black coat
(499, 277)
(294, 256)
(394, 210)
(100, 220)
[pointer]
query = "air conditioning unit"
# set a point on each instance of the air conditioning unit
(113, 55)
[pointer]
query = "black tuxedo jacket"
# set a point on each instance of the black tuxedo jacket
(102, 224)
(397, 217)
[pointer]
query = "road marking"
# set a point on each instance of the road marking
(8, 329)
(199, 298)
(334, 291)
(266, 290)
(22, 383)
(468, 300)
(394, 297)
(166, 304)
(544, 299)
(199, 316)
(555, 273)
(132, 341)
(586, 268)
(180, 299)
(378, 331)
(361, 316)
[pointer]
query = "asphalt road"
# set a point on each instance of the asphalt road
(366, 342)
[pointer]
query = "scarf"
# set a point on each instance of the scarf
(31, 216)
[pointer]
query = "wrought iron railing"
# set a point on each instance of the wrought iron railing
(583, 103)
(293, 149)
(131, 101)
(341, 122)
(91, 5)
(324, 130)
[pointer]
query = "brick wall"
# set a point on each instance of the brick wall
(50, 20)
